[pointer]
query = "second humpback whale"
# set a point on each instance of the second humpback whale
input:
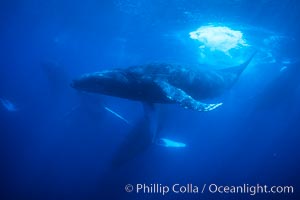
(163, 83)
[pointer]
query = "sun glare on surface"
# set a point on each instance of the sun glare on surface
(218, 38)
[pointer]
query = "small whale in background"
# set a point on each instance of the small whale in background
(8, 105)
(163, 83)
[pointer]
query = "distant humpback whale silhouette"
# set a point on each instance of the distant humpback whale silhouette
(163, 83)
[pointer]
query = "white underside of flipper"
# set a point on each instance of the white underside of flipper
(169, 143)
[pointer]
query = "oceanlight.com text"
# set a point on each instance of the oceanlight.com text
(189, 188)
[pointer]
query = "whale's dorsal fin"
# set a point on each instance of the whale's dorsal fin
(177, 95)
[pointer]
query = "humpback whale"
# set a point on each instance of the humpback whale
(163, 83)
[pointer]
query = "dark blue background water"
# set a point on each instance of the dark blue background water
(59, 144)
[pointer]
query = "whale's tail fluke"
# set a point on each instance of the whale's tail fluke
(240, 68)
(243, 66)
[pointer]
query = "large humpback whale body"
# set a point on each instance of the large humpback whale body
(159, 83)
(163, 83)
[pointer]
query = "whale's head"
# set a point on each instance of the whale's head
(109, 82)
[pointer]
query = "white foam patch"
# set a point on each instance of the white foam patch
(218, 38)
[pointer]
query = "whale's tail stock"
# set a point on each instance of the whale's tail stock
(240, 68)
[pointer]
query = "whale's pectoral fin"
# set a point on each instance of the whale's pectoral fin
(179, 96)
(169, 143)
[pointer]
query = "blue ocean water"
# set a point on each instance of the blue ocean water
(57, 143)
